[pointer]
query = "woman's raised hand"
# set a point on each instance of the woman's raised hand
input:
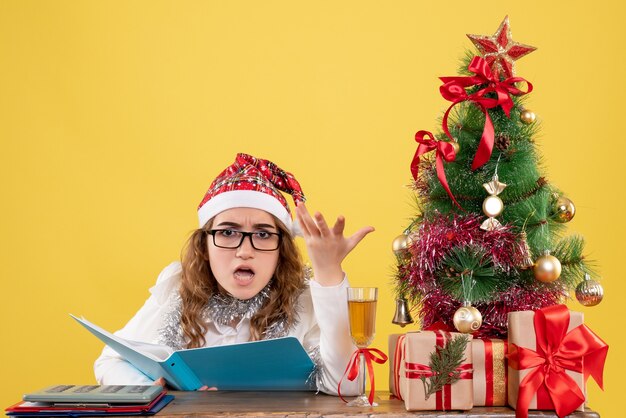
(327, 247)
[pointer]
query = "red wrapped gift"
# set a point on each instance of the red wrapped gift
(551, 355)
(490, 372)
(394, 363)
(411, 361)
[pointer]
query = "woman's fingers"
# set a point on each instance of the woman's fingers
(303, 218)
(359, 235)
(339, 226)
(308, 225)
(322, 226)
(317, 226)
(206, 388)
(160, 381)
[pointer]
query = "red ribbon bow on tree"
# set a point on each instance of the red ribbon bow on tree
(444, 151)
(352, 371)
(579, 350)
(454, 91)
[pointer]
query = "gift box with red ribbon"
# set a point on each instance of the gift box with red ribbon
(551, 355)
(490, 372)
(393, 367)
(410, 361)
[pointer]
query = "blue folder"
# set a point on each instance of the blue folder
(279, 364)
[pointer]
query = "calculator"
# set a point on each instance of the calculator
(102, 394)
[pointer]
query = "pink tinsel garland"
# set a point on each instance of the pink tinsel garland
(435, 239)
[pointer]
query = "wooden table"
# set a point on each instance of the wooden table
(308, 404)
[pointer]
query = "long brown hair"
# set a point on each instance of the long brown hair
(199, 284)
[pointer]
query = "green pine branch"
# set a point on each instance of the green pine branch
(474, 264)
(444, 362)
(569, 251)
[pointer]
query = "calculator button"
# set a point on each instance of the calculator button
(86, 388)
(112, 388)
(59, 388)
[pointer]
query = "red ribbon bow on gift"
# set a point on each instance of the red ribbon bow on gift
(417, 370)
(352, 371)
(444, 151)
(579, 350)
(454, 91)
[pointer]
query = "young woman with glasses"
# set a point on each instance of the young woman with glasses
(242, 278)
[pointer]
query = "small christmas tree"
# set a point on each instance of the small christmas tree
(488, 238)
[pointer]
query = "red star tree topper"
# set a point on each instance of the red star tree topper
(500, 50)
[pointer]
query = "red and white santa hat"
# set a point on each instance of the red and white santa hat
(251, 182)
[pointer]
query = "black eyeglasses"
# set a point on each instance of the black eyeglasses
(231, 239)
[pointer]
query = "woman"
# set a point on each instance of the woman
(242, 279)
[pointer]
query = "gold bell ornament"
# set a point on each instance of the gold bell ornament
(563, 209)
(589, 292)
(528, 259)
(402, 316)
(547, 268)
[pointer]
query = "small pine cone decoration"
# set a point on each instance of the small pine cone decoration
(502, 141)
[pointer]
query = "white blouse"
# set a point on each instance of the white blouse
(323, 323)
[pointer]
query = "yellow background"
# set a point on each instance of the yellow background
(115, 116)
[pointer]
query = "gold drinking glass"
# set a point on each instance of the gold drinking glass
(362, 313)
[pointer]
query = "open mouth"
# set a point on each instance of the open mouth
(243, 275)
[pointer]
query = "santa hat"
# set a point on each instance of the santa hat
(251, 183)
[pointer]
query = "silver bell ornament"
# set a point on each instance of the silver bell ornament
(402, 316)
(589, 292)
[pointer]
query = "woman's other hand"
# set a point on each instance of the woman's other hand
(162, 382)
(327, 247)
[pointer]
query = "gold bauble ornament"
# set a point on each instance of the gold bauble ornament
(547, 268)
(563, 210)
(467, 319)
(492, 206)
(401, 244)
(589, 292)
(527, 116)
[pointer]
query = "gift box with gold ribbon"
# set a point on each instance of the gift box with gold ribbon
(490, 372)
(422, 386)
(551, 355)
